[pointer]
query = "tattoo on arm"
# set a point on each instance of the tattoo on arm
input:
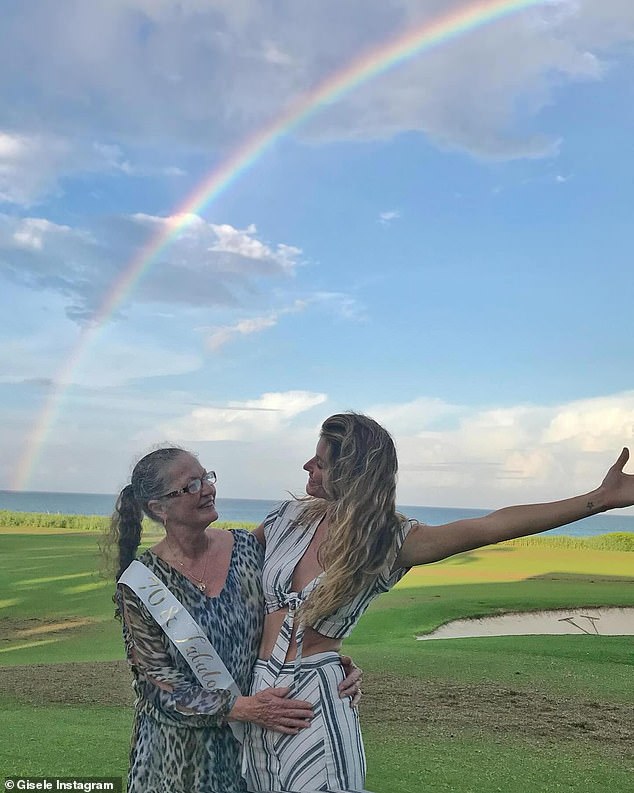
(590, 506)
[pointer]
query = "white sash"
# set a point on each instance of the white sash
(183, 631)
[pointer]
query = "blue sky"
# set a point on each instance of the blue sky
(446, 248)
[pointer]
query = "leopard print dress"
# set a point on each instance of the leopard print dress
(180, 740)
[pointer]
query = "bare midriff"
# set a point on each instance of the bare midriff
(305, 571)
(313, 643)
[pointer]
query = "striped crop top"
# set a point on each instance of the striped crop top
(286, 543)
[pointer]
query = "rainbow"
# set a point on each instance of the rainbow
(369, 65)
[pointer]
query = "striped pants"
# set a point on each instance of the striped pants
(328, 755)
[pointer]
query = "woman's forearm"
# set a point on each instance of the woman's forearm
(425, 544)
(518, 521)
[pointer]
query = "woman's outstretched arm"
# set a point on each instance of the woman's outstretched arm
(426, 544)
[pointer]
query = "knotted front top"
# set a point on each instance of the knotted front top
(287, 539)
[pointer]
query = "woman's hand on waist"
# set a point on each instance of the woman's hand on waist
(350, 686)
(273, 710)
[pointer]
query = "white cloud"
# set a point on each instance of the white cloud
(415, 417)
(591, 425)
(386, 217)
(33, 165)
(246, 327)
(272, 54)
(493, 456)
(204, 264)
(30, 164)
(247, 420)
(30, 232)
(241, 242)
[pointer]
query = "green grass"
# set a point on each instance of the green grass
(52, 575)
(94, 741)
(464, 763)
(55, 576)
(80, 740)
(581, 666)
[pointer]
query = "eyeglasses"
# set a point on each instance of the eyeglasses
(195, 486)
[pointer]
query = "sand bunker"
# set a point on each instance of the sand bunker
(594, 621)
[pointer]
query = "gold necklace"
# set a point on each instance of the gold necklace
(200, 581)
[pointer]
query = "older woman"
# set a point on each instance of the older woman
(327, 557)
(182, 739)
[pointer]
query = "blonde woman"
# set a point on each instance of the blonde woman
(327, 556)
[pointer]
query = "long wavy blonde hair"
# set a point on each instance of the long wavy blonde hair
(360, 482)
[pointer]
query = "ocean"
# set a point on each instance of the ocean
(250, 510)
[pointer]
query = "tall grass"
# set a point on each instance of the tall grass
(99, 523)
(613, 541)
(48, 520)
